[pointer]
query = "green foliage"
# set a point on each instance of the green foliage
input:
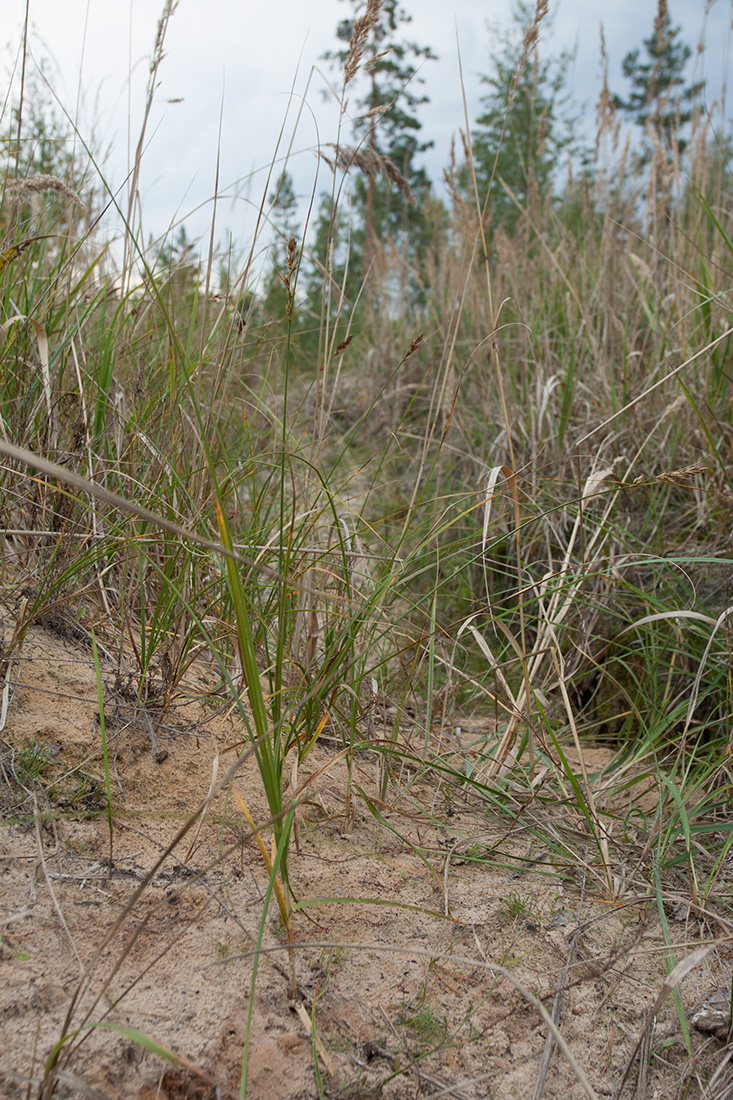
(658, 100)
(525, 130)
(518, 907)
(36, 142)
(31, 763)
(427, 1028)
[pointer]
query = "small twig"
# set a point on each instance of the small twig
(645, 1057)
(643, 1046)
(557, 1003)
(7, 694)
(151, 733)
(21, 625)
(443, 1090)
(556, 1009)
(54, 899)
(726, 1085)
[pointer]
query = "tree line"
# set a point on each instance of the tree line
(525, 133)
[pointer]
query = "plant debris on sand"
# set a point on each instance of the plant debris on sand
(411, 935)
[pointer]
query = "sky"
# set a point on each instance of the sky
(239, 74)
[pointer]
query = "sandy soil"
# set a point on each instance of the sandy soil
(393, 952)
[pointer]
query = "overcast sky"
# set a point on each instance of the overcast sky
(237, 62)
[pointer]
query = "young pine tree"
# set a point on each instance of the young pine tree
(525, 129)
(659, 101)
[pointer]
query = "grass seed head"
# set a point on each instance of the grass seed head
(40, 183)
(373, 164)
(362, 28)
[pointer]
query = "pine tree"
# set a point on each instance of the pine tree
(176, 252)
(525, 130)
(177, 265)
(659, 100)
(391, 189)
(284, 221)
